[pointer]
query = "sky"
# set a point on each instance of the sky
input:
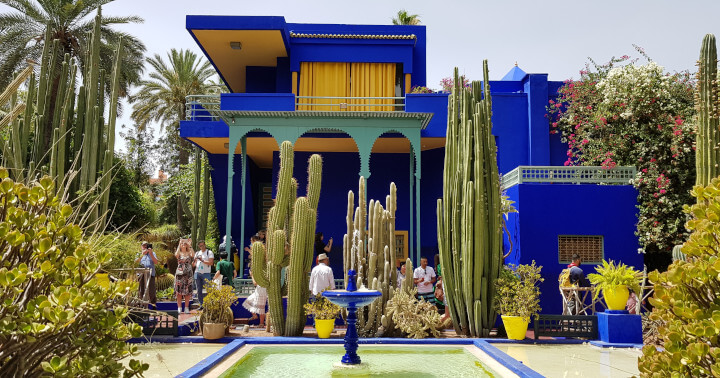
(554, 37)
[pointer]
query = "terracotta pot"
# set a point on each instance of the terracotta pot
(515, 326)
(213, 331)
(324, 327)
(616, 297)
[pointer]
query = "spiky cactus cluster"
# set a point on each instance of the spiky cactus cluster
(291, 233)
(75, 125)
(372, 255)
(707, 152)
(469, 214)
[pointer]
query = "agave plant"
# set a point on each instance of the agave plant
(610, 275)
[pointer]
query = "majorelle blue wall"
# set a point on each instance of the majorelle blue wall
(340, 175)
(546, 211)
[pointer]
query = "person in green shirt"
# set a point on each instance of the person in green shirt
(226, 269)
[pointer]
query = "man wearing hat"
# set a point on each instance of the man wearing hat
(321, 277)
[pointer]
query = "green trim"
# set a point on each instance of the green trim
(363, 127)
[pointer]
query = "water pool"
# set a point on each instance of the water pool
(169, 360)
(579, 360)
(382, 360)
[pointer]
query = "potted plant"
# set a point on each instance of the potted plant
(216, 310)
(325, 313)
(518, 297)
(614, 281)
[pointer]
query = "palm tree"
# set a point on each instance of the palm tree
(403, 18)
(161, 98)
(22, 37)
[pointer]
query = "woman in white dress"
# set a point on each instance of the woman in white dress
(256, 302)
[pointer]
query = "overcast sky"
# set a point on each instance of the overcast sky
(554, 37)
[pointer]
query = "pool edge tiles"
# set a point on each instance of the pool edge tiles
(211, 361)
(514, 367)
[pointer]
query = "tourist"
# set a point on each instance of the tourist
(184, 274)
(256, 302)
(321, 247)
(147, 260)
(576, 276)
(631, 305)
(424, 278)
(321, 277)
(204, 259)
(225, 269)
(401, 274)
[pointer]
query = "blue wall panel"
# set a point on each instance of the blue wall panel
(260, 79)
(510, 120)
(549, 210)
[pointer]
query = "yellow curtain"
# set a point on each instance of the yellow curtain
(324, 79)
(373, 80)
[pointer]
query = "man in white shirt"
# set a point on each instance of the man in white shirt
(424, 278)
(204, 259)
(321, 277)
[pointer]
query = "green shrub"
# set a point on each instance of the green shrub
(128, 204)
(123, 249)
(609, 275)
(687, 298)
(517, 290)
(55, 319)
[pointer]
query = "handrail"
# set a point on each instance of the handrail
(339, 103)
(568, 175)
(198, 107)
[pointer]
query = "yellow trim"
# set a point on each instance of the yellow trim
(259, 48)
(408, 83)
(404, 236)
(260, 149)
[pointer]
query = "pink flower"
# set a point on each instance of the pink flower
(585, 141)
(662, 191)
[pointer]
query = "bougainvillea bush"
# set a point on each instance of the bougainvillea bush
(630, 114)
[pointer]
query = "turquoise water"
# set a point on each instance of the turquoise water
(395, 361)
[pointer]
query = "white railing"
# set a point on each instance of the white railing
(568, 175)
(329, 103)
(244, 286)
(197, 107)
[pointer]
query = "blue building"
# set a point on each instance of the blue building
(344, 91)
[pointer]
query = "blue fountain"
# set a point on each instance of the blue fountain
(352, 299)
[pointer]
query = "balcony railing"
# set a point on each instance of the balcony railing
(568, 175)
(197, 107)
(200, 107)
(328, 103)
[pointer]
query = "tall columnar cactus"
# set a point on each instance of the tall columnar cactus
(372, 255)
(469, 214)
(291, 232)
(707, 159)
(73, 126)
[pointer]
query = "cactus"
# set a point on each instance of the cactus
(202, 231)
(291, 229)
(373, 259)
(196, 197)
(71, 126)
(470, 212)
(707, 152)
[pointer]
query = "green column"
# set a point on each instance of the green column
(240, 244)
(233, 140)
(411, 234)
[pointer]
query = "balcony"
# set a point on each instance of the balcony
(202, 107)
(568, 175)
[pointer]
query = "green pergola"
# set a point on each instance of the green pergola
(363, 127)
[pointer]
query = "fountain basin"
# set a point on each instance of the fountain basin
(348, 299)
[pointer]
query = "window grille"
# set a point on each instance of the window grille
(590, 248)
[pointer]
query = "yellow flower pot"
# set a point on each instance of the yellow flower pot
(103, 280)
(616, 297)
(515, 326)
(324, 327)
